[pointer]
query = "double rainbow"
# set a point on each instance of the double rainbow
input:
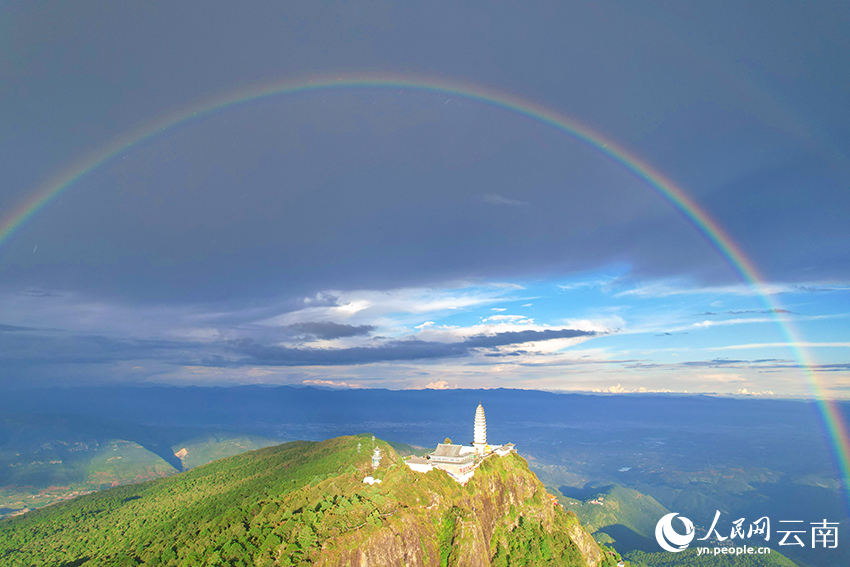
(729, 250)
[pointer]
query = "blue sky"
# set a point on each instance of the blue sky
(400, 238)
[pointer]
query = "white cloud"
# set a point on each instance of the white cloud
(721, 377)
(603, 324)
(587, 284)
(396, 307)
(727, 322)
(439, 385)
(331, 383)
(619, 389)
(499, 200)
(513, 318)
(745, 392)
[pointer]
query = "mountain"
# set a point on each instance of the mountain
(306, 503)
(624, 515)
(48, 458)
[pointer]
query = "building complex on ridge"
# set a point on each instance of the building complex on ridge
(460, 461)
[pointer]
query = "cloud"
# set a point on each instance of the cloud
(439, 385)
(37, 293)
(499, 200)
(819, 288)
(763, 393)
(330, 330)
(404, 305)
(598, 283)
(661, 289)
(511, 318)
(37, 350)
(331, 383)
(746, 311)
(619, 389)
(758, 365)
(393, 350)
(749, 311)
(14, 328)
(783, 345)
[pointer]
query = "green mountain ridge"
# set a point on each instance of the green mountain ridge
(46, 459)
(617, 505)
(625, 518)
(305, 503)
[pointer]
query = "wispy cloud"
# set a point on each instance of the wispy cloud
(14, 328)
(669, 289)
(494, 199)
(620, 389)
(782, 345)
(401, 306)
(587, 284)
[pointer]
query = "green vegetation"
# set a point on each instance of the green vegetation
(689, 558)
(618, 505)
(528, 546)
(302, 502)
(218, 445)
(631, 517)
(45, 459)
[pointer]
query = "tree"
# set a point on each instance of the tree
(306, 538)
(447, 441)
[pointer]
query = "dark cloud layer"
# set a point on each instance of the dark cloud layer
(386, 188)
(330, 330)
(36, 350)
(18, 350)
(13, 328)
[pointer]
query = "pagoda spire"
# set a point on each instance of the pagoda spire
(480, 430)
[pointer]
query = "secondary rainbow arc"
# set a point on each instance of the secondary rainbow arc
(729, 250)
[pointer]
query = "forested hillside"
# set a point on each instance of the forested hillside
(305, 503)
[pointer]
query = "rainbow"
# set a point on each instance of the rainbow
(829, 411)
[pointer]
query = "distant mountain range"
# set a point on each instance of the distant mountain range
(47, 458)
(711, 431)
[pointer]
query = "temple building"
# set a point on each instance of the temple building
(460, 461)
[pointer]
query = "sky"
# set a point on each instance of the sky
(389, 236)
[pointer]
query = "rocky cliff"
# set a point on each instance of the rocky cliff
(502, 516)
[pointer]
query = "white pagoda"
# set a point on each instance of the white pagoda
(479, 429)
(460, 461)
